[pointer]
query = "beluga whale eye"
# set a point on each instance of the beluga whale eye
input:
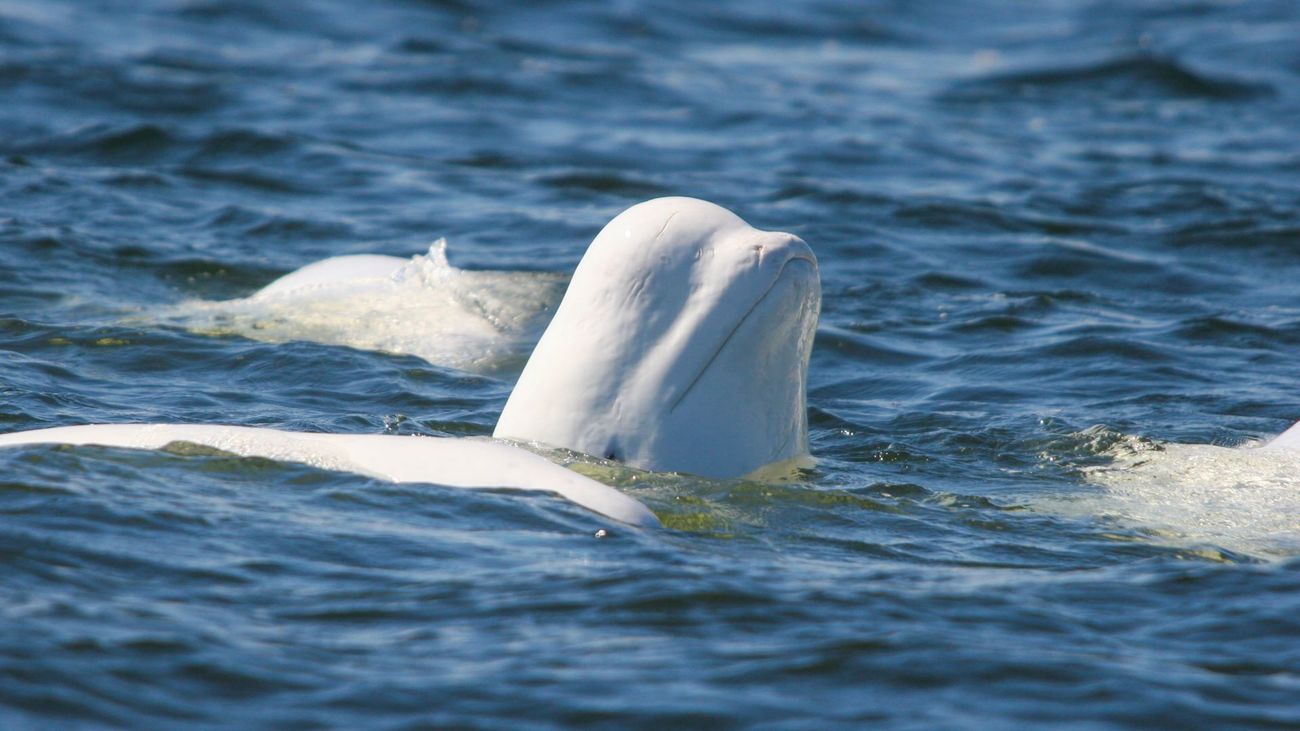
(682, 344)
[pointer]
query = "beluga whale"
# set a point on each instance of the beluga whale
(681, 345)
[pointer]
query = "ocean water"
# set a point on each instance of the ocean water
(1059, 243)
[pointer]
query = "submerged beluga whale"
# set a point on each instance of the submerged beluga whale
(681, 344)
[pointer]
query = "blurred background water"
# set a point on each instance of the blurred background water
(1059, 244)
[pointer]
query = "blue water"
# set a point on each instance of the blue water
(1058, 240)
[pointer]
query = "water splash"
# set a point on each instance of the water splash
(1243, 499)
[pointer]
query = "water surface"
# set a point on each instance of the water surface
(1059, 244)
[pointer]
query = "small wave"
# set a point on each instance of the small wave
(942, 281)
(251, 178)
(1134, 75)
(856, 343)
(1228, 332)
(236, 13)
(488, 159)
(243, 142)
(143, 91)
(252, 223)
(847, 194)
(212, 157)
(422, 45)
(195, 60)
(796, 22)
(449, 84)
(995, 324)
(962, 216)
(1107, 347)
(134, 143)
(201, 274)
(1239, 232)
(605, 183)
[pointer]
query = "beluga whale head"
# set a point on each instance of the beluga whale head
(681, 344)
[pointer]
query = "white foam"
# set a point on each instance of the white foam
(1242, 499)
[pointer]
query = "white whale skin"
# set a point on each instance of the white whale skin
(682, 344)
(452, 462)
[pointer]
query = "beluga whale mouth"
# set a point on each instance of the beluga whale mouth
(682, 344)
(793, 289)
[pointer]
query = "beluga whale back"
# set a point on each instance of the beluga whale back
(681, 344)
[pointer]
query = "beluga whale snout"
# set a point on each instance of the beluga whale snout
(682, 344)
